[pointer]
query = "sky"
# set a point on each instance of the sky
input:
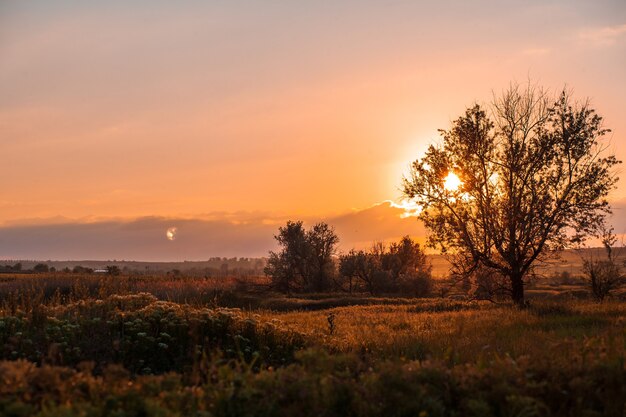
(233, 112)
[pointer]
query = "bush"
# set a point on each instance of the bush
(142, 334)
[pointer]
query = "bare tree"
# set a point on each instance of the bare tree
(502, 192)
(604, 275)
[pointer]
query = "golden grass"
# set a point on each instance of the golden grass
(480, 332)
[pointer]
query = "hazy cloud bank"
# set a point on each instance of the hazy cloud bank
(195, 239)
(221, 234)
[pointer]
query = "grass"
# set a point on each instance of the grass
(101, 347)
(479, 331)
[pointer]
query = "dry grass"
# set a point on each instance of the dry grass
(481, 331)
(52, 288)
(455, 331)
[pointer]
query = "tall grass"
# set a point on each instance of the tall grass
(78, 346)
(21, 291)
(463, 332)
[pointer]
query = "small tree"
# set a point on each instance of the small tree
(604, 275)
(502, 192)
(322, 242)
(305, 261)
(406, 259)
(288, 268)
(363, 270)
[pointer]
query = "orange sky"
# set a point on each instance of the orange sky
(128, 109)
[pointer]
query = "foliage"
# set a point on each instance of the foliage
(534, 179)
(140, 333)
(321, 384)
(360, 268)
(305, 262)
(401, 268)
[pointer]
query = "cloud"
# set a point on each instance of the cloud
(381, 222)
(221, 234)
(604, 36)
(409, 206)
(246, 234)
(140, 239)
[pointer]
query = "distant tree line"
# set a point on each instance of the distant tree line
(216, 267)
(11, 268)
(18, 268)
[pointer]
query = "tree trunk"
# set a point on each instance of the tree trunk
(517, 289)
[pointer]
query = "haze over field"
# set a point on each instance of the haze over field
(119, 121)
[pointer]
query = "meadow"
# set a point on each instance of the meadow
(73, 345)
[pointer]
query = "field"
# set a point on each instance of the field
(74, 345)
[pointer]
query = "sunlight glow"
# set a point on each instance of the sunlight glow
(410, 207)
(493, 179)
(452, 182)
(171, 233)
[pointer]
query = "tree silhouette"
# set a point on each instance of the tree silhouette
(534, 179)
(401, 267)
(604, 275)
(305, 261)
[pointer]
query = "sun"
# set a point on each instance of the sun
(451, 182)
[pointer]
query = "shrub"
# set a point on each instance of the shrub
(604, 275)
(142, 334)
